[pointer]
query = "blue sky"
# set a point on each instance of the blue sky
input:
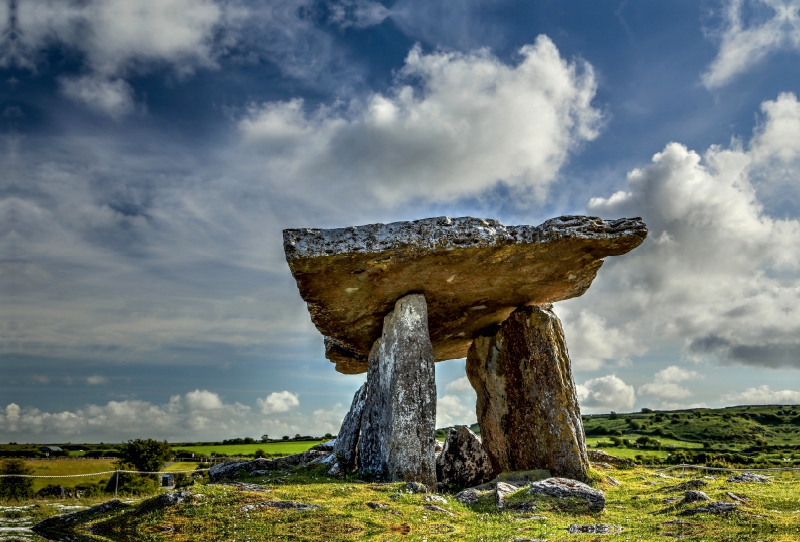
(153, 150)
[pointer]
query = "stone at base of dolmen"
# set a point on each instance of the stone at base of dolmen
(347, 440)
(399, 421)
(463, 462)
(527, 404)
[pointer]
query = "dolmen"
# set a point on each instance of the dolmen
(392, 299)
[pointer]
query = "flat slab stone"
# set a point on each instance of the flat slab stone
(473, 272)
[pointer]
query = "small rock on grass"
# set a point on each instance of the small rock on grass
(416, 487)
(434, 508)
(613, 481)
(435, 498)
(597, 528)
(695, 496)
(395, 496)
(501, 491)
(691, 484)
(737, 498)
(671, 500)
(283, 505)
(748, 478)
(565, 488)
(377, 505)
(712, 508)
(468, 496)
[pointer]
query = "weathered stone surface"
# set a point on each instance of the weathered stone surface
(527, 405)
(398, 422)
(595, 528)
(468, 496)
(695, 496)
(748, 478)
(600, 456)
(563, 488)
(523, 477)
(225, 471)
(463, 461)
(501, 491)
(473, 272)
(345, 446)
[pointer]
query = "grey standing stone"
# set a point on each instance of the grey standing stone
(527, 404)
(399, 420)
(463, 461)
(345, 446)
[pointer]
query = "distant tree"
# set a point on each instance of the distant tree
(297, 436)
(264, 438)
(285, 437)
(613, 415)
(260, 453)
(646, 411)
(147, 455)
(16, 488)
(328, 436)
(249, 440)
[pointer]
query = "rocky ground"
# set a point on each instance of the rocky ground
(302, 502)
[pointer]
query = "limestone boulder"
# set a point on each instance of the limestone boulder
(527, 403)
(473, 273)
(398, 423)
(463, 461)
(345, 445)
(563, 488)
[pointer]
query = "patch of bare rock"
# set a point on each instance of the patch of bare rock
(748, 478)
(595, 528)
(282, 505)
(564, 488)
(600, 456)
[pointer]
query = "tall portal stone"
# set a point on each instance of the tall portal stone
(527, 405)
(399, 421)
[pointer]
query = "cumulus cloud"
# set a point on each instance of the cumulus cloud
(96, 380)
(460, 386)
(605, 393)
(358, 13)
(203, 400)
(112, 97)
(593, 343)
(665, 384)
(278, 401)
(717, 271)
(763, 395)
(450, 410)
(471, 122)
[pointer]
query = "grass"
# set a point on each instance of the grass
(637, 506)
(289, 447)
(61, 467)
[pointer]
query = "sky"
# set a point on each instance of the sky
(151, 152)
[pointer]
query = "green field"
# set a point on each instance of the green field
(233, 450)
(61, 467)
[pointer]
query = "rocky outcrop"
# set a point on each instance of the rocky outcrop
(346, 443)
(527, 405)
(398, 421)
(563, 488)
(232, 469)
(748, 478)
(473, 272)
(600, 456)
(501, 491)
(463, 462)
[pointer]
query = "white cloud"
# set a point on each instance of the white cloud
(203, 400)
(717, 270)
(358, 13)
(665, 384)
(473, 122)
(96, 380)
(763, 395)
(593, 343)
(460, 386)
(742, 46)
(114, 97)
(278, 401)
(451, 411)
(605, 393)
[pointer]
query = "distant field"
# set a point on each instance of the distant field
(61, 467)
(247, 449)
(181, 465)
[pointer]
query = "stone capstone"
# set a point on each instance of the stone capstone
(463, 462)
(563, 488)
(527, 404)
(399, 417)
(473, 273)
(345, 446)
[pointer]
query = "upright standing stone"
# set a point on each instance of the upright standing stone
(527, 405)
(463, 461)
(398, 423)
(347, 439)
